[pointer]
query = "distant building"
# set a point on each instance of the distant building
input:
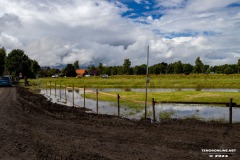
(81, 72)
(94, 72)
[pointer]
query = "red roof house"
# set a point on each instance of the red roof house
(81, 72)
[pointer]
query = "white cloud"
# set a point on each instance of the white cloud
(138, 1)
(170, 3)
(59, 32)
(9, 41)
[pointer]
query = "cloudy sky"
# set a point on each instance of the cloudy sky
(56, 32)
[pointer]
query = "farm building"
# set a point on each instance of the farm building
(94, 72)
(81, 72)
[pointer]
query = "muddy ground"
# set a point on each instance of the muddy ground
(33, 128)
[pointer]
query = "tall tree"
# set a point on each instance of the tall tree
(199, 66)
(100, 68)
(238, 65)
(2, 60)
(91, 68)
(126, 66)
(140, 70)
(206, 69)
(17, 62)
(76, 65)
(178, 67)
(187, 68)
(35, 67)
(114, 70)
(69, 71)
(228, 70)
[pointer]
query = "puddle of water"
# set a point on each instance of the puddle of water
(200, 111)
(103, 107)
(204, 112)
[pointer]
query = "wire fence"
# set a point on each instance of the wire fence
(59, 91)
(51, 90)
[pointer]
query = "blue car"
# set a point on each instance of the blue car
(5, 81)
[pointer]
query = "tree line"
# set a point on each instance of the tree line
(171, 68)
(18, 62)
(160, 68)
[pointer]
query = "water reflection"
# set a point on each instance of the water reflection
(201, 111)
(204, 112)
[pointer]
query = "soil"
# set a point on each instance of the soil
(33, 128)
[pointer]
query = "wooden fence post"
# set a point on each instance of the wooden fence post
(84, 92)
(55, 89)
(73, 95)
(97, 100)
(118, 99)
(66, 93)
(230, 111)
(50, 88)
(153, 104)
(46, 88)
(60, 91)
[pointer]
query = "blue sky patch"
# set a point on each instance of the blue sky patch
(234, 5)
(144, 9)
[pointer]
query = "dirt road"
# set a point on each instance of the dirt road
(33, 128)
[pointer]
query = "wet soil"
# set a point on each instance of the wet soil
(33, 128)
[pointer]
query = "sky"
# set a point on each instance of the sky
(59, 32)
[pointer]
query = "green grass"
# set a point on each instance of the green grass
(156, 81)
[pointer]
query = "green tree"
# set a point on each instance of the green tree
(140, 70)
(178, 67)
(107, 70)
(100, 68)
(170, 69)
(114, 70)
(187, 68)
(76, 65)
(119, 70)
(2, 60)
(17, 62)
(35, 67)
(91, 68)
(228, 70)
(155, 69)
(69, 71)
(126, 66)
(238, 65)
(206, 69)
(199, 66)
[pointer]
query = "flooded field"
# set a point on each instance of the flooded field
(163, 111)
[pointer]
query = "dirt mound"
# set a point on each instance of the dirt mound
(33, 128)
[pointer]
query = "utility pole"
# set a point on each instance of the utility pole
(147, 81)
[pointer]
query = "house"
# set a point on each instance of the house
(94, 72)
(81, 72)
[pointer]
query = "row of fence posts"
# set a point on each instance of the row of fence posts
(73, 96)
(65, 92)
(118, 100)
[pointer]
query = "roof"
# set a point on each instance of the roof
(80, 71)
